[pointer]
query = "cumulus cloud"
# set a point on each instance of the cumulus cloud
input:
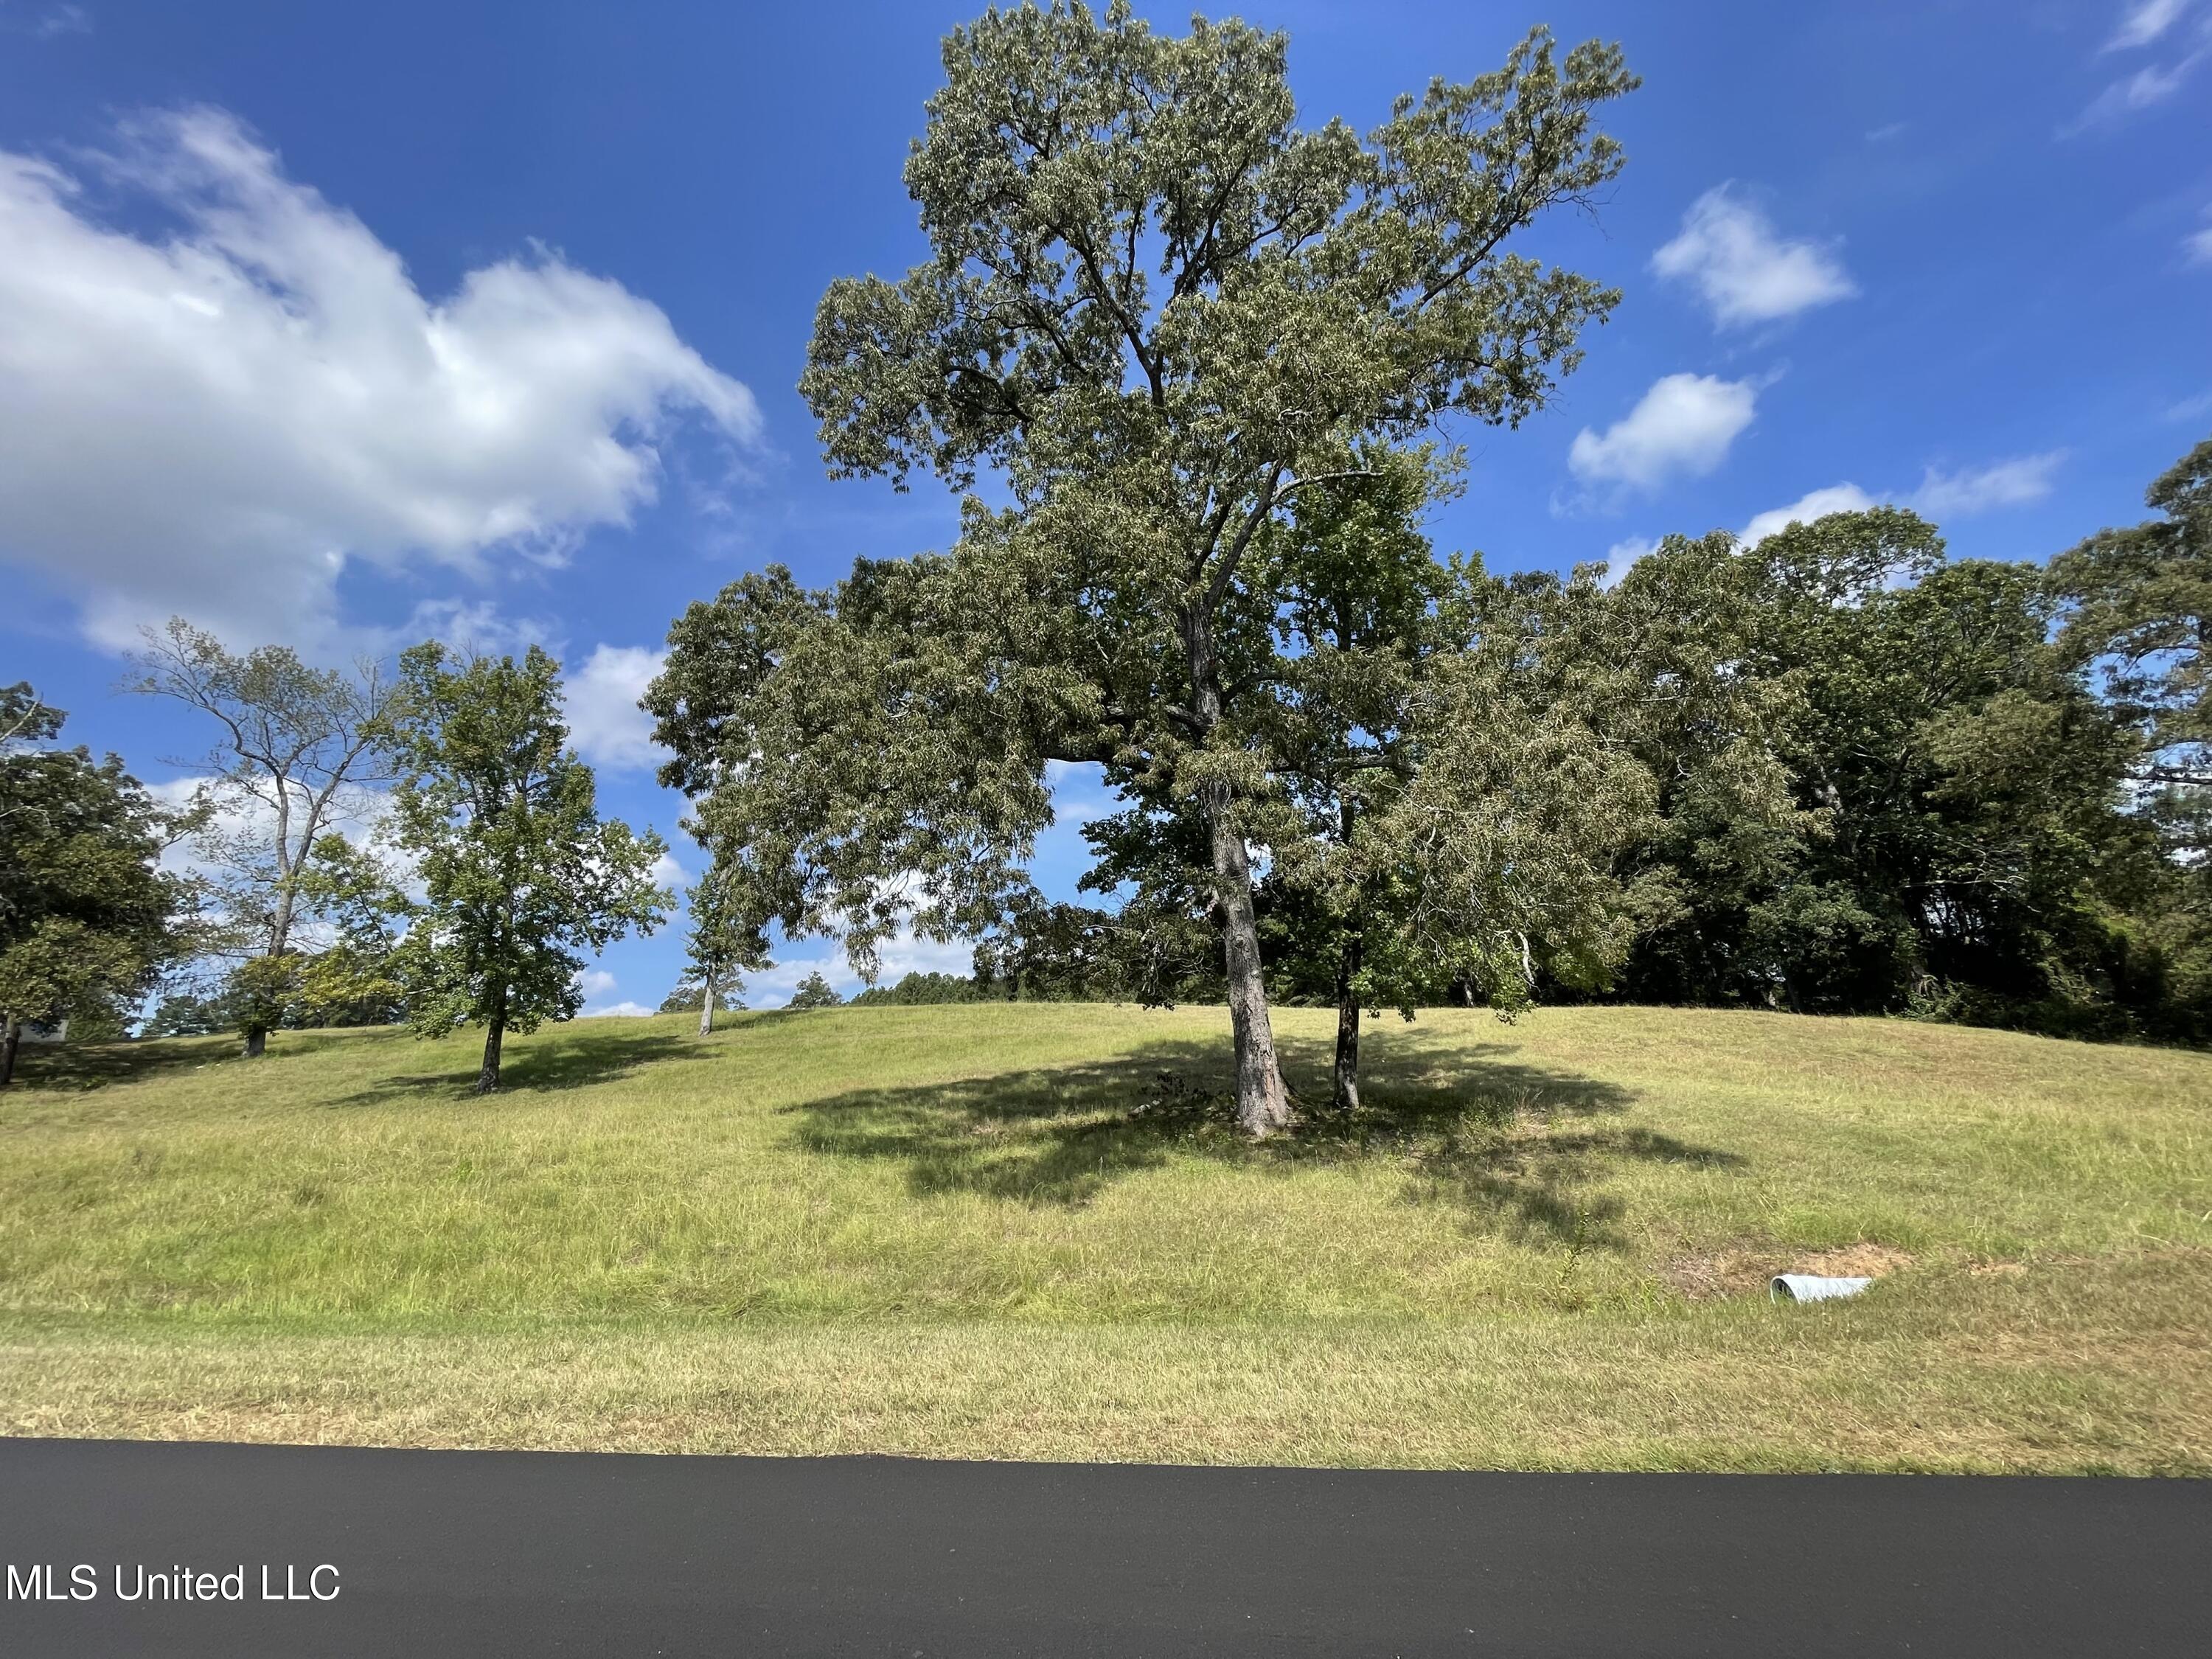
(594, 981)
(2008, 483)
(1682, 426)
(618, 1011)
(216, 419)
(2144, 21)
(667, 873)
(1745, 273)
(1812, 505)
(605, 722)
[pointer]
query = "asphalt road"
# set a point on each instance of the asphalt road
(520, 1553)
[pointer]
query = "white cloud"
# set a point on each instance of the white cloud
(1743, 270)
(1682, 426)
(216, 420)
(594, 981)
(2007, 483)
(605, 722)
(56, 20)
(2144, 21)
(1812, 505)
(1623, 554)
(618, 1011)
(667, 873)
(2152, 84)
(468, 625)
(1941, 494)
(2199, 244)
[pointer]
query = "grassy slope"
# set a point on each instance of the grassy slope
(938, 1231)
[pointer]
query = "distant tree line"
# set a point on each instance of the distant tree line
(1956, 790)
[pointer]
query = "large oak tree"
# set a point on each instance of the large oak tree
(1158, 310)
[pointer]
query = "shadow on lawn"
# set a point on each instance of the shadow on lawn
(1511, 1145)
(559, 1059)
(81, 1066)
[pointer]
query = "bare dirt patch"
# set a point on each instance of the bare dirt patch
(1748, 1269)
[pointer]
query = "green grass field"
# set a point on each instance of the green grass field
(945, 1231)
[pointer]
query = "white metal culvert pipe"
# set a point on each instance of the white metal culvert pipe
(1814, 1287)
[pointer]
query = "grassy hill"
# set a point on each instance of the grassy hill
(995, 1231)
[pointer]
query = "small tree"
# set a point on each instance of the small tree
(721, 941)
(521, 874)
(296, 752)
(814, 992)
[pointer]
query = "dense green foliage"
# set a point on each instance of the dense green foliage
(86, 918)
(1958, 834)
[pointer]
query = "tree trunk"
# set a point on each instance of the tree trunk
(706, 1004)
(1343, 1092)
(12, 1041)
(1263, 1105)
(495, 1030)
(488, 1074)
(256, 1041)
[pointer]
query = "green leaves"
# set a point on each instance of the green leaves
(520, 872)
(87, 917)
(2138, 603)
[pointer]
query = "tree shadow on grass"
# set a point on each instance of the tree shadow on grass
(1509, 1143)
(83, 1066)
(1056, 1135)
(1514, 1148)
(560, 1060)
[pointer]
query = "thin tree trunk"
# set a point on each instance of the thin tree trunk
(1344, 1093)
(256, 1041)
(1263, 1105)
(9, 1044)
(706, 1004)
(495, 1030)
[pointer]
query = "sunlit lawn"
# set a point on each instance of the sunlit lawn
(949, 1231)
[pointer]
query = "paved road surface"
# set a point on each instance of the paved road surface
(522, 1552)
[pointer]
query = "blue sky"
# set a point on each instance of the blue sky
(338, 326)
